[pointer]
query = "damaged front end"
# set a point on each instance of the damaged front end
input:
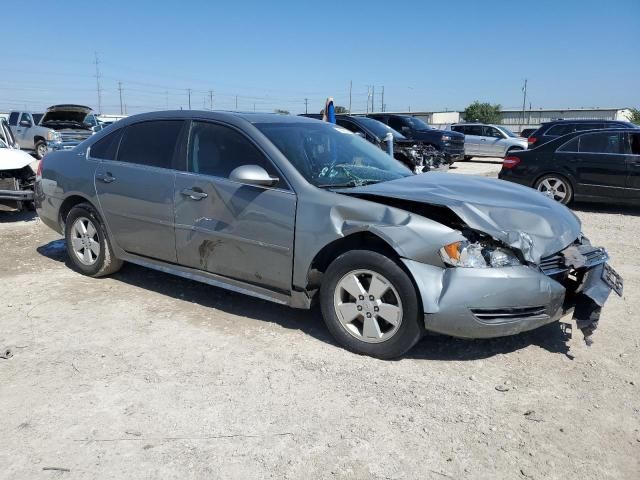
(17, 188)
(588, 280)
(420, 158)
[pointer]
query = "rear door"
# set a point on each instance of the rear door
(472, 140)
(598, 163)
(240, 231)
(135, 183)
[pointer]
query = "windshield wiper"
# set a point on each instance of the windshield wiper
(349, 184)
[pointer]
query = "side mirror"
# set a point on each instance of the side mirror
(253, 175)
(25, 123)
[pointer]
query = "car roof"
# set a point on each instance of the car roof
(580, 120)
(251, 117)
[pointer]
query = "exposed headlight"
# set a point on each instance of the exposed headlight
(477, 255)
(54, 136)
(446, 138)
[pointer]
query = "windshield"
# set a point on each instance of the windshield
(507, 132)
(379, 129)
(331, 156)
(417, 124)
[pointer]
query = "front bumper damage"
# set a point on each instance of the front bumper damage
(496, 302)
(11, 191)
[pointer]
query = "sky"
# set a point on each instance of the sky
(425, 55)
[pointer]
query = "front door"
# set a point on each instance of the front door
(23, 134)
(135, 187)
(598, 163)
(633, 164)
(494, 141)
(240, 231)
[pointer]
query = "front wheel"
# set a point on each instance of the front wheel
(41, 149)
(556, 187)
(370, 305)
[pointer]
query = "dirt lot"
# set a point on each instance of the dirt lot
(147, 376)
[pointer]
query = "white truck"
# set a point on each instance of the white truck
(61, 127)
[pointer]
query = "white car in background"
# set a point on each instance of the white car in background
(17, 171)
(483, 140)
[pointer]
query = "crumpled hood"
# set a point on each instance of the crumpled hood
(518, 216)
(14, 159)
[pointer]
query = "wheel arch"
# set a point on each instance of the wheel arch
(37, 139)
(363, 240)
(70, 202)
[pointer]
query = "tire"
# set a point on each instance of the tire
(90, 251)
(40, 149)
(555, 186)
(368, 332)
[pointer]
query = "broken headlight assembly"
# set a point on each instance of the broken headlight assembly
(478, 254)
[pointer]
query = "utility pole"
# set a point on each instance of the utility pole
(236, 102)
(210, 99)
(306, 105)
(98, 87)
(382, 100)
(120, 91)
(189, 94)
(350, 88)
(373, 98)
(254, 107)
(368, 97)
(524, 99)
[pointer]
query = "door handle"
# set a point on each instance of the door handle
(106, 177)
(194, 194)
(483, 139)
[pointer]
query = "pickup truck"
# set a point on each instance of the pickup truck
(451, 144)
(61, 127)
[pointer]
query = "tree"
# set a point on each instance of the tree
(635, 116)
(281, 112)
(482, 112)
(340, 109)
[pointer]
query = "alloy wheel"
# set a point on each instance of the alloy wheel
(554, 188)
(84, 241)
(368, 306)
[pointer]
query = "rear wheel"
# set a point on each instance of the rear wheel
(41, 149)
(556, 187)
(88, 246)
(370, 305)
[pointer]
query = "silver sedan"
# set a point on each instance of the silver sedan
(294, 210)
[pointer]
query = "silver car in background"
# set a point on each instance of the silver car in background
(483, 140)
(295, 211)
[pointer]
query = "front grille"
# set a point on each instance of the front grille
(561, 262)
(508, 314)
(74, 137)
(553, 265)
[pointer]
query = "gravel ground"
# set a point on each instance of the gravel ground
(144, 375)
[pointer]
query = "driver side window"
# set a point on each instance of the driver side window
(217, 150)
(26, 117)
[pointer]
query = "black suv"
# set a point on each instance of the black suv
(418, 156)
(448, 142)
(557, 128)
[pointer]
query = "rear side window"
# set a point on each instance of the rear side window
(352, 127)
(473, 130)
(595, 143)
(107, 147)
(562, 129)
(150, 143)
(217, 150)
(13, 119)
(457, 128)
(395, 123)
(600, 143)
